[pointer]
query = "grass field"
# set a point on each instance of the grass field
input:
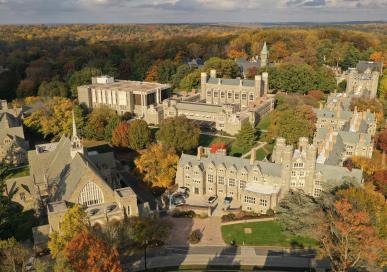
(208, 140)
(20, 172)
(264, 122)
(268, 233)
(264, 151)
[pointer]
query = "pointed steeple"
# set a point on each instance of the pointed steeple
(76, 145)
(264, 48)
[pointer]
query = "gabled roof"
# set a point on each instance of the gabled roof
(336, 173)
(363, 65)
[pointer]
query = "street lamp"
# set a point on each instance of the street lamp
(145, 246)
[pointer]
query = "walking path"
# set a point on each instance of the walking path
(248, 221)
(236, 257)
(260, 145)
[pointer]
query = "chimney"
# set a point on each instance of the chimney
(253, 156)
(355, 110)
(213, 73)
(241, 82)
(321, 106)
(199, 153)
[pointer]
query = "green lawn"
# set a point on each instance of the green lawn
(264, 151)
(20, 172)
(264, 122)
(266, 233)
(207, 140)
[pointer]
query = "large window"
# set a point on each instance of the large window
(250, 199)
(221, 180)
(91, 194)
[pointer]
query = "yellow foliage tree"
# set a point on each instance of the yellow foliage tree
(369, 166)
(74, 221)
(158, 165)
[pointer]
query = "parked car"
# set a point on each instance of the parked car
(182, 194)
(184, 189)
(212, 199)
(178, 200)
(227, 200)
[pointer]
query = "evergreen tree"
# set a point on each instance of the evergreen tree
(139, 134)
(245, 139)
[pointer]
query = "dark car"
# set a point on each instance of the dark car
(212, 199)
(227, 200)
(178, 200)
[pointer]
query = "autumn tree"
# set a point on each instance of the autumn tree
(82, 77)
(224, 68)
(100, 123)
(14, 255)
(382, 143)
(379, 179)
(74, 221)
(120, 135)
(158, 164)
(179, 132)
(53, 88)
(367, 165)
(376, 56)
(316, 94)
(139, 134)
(54, 118)
(348, 238)
(86, 252)
(151, 230)
(190, 81)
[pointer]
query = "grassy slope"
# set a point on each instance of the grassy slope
(267, 233)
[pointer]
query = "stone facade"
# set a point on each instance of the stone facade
(363, 80)
(341, 133)
(142, 99)
(13, 146)
(259, 185)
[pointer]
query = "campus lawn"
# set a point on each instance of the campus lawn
(264, 151)
(20, 172)
(208, 140)
(264, 123)
(267, 233)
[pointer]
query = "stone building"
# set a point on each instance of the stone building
(254, 63)
(341, 133)
(64, 173)
(242, 92)
(142, 99)
(363, 80)
(13, 146)
(258, 185)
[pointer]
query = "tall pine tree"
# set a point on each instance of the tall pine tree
(246, 137)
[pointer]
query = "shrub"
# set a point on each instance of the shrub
(195, 236)
(228, 217)
(179, 213)
(270, 212)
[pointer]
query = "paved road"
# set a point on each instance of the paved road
(268, 257)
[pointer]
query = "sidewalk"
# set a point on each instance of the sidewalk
(248, 221)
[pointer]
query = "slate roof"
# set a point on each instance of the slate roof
(245, 64)
(232, 82)
(10, 126)
(363, 65)
(344, 114)
(267, 168)
(332, 172)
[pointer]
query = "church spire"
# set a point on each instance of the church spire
(264, 48)
(76, 145)
(264, 55)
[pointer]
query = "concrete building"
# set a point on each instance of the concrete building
(13, 146)
(363, 80)
(259, 185)
(141, 99)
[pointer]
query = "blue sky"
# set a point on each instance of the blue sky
(189, 11)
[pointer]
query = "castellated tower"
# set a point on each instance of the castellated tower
(203, 82)
(280, 144)
(287, 156)
(310, 168)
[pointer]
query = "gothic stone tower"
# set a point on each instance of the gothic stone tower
(264, 56)
(76, 145)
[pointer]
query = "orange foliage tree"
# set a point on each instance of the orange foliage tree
(216, 146)
(120, 135)
(348, 238)
(376, 56)
(316, 94)
(382, 143)
(86, 252)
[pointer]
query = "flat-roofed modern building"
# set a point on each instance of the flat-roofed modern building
(137, 97)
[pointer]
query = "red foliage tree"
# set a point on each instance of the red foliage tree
(86, 252)
(316, 94)
(216, 146)
(380, 181)
(382, 143)
(120, 135)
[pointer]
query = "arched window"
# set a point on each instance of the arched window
(91, 194)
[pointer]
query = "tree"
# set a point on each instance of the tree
(217, 146)
(26, 87)
(120, 135)
(82, 77)
(139, 134)
(54, 118)
(292, 124)
(316, 94)
(246, 137)
(190, 81)
(382, 143)
(74, 221)
(100, 123)
(181, 72)
(87, 252)
(154, 231)
(299, 214)
(14, 255)
(158, 165)
(224, 68)
(348, 238)
(179, 132)
(380, 181)
(53, 88)
(376, 56)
